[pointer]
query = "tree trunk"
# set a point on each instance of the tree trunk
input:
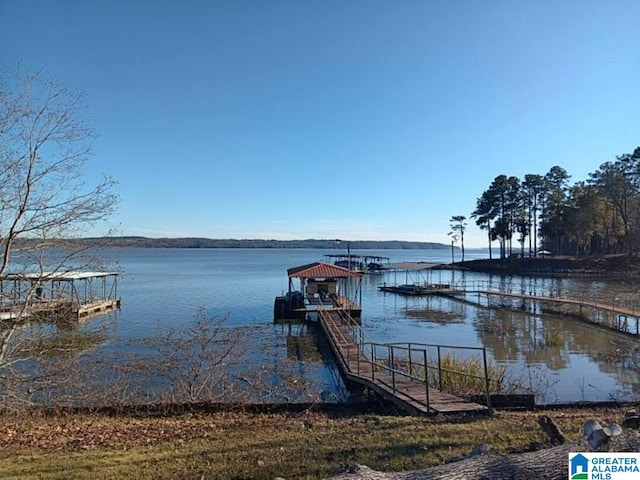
(548, 464)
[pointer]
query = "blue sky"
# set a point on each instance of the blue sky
(333, 119)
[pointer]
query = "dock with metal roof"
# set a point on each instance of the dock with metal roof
(419, 279)
(321, 286)
(403, 374)
(57, 295)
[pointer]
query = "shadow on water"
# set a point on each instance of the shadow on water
(308, 349)
(556, 357)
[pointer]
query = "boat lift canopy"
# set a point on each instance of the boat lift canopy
(84, 292)
(325, 271)
(321, 270)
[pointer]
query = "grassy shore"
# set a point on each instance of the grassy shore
(241, 444)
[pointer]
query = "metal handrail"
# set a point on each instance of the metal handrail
(363, 343)
(621, 309)
(591, 300)
(419, 344)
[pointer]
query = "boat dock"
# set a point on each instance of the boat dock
(409, 375)
(621, 318)
(419, 279)
(321, 286)
(54, 296)
(362, 263)
(412, 376)
(615, 317)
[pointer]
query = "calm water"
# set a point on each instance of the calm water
(161, 288)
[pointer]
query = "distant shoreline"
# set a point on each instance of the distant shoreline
(197, 242)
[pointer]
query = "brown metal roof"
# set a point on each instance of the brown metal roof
(321, 270)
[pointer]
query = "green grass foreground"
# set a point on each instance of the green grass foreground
(241, 445)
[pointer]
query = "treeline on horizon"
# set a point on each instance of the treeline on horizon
(196, 242)
(598, 215)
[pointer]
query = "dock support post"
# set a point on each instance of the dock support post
(373, 362)
(393, 369)
(426, 377)
(487, 381)
(439, 369)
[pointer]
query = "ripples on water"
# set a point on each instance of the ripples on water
(161, 288)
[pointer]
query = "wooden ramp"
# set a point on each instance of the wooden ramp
(399, 378)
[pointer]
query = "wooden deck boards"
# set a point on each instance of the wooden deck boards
(408, 394)
(98, 307)
(60, 308)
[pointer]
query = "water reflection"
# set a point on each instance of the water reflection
(309, 350)
(564, 359)
(303, 341)
(556, 357)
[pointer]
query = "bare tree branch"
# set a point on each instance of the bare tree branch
(45, 143)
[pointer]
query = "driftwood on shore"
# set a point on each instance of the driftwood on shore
(484, 464)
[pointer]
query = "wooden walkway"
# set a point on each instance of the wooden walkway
(621, 323)
(565, 300)
(627, 321)
(408, 392)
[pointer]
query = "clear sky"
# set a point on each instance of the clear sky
(357, 119)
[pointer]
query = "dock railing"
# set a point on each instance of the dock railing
(616, 311)
(551, 290)
(432, 365)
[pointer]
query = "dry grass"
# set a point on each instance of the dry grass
(466, 376)
(236, 445)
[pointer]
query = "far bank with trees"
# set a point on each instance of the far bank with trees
(546, 213)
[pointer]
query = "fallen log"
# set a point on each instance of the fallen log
(548, 464)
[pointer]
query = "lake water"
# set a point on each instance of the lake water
(162, 288)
